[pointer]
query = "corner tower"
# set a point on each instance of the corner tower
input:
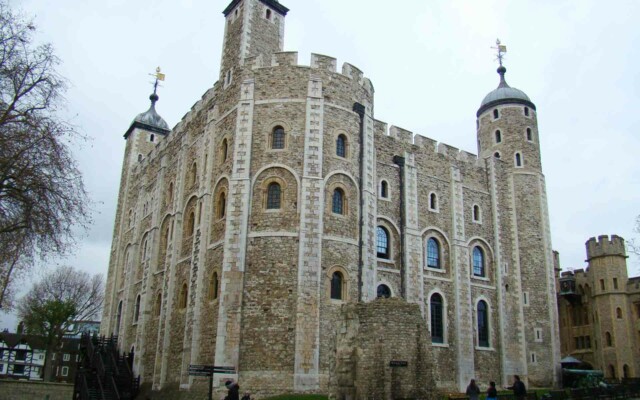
(507, 132)
(607, 260)
(253, 28)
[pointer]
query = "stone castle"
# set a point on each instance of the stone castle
(246, 235)
(599, 310)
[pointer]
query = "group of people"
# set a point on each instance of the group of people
(518, 387)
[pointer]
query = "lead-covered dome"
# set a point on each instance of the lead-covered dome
(149, 120)
(504, 94)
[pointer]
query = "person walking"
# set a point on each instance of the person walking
(234, 390)
(473, 391)
(519, 389)
(492, 392)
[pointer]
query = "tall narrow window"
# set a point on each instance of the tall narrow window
(437, 323)
(619, 313)
(526, 111)
(382, 242)
(478, 262)
(184, 294)
(273, 196)
(336, 285)
(277, 138)
(529, 134)
(224, 150)
(152, 137)
(222, 205)
(384, 189)
(615, 283)
(158, 305)
(118, 318)
(496, 114)
(433, 253)
(338, 201)
(341, 146)
(625, 371)
(136, 311)
(612, 371)
(608, 339)
(193, 175)
(433, 202)
(498, 136)
(170, 193)
(476, 213)
(602, 284)
(268, 14)
(191, 224)
(483, 324)
(518, 160)
(213, 286)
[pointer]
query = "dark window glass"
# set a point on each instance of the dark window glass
(18, 369)
(336, 286)
(433, 201)
(476, 213)
(222, 205)
(338, 201)
(384, 189)
(277, 141)
(225, 149)
(118, 318)
(496, 114)
(136, 312)
(433, 253)
(518, 160)
(483, 324)
(382, 242)
(273, 196)
(437, 326)
(529, 134)
(384, 291)
(478, 261)
(341, 146)
(526, 111)
(496, 154)
(498, 136)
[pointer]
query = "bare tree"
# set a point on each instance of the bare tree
(52, 306)
(42, 195)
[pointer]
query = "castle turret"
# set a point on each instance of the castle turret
(508, 140)
(608, 272)
(253, 28)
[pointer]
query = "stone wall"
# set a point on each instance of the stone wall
(23, 390)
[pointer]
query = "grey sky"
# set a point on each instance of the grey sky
(430, 63)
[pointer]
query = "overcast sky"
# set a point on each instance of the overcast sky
(431, 64)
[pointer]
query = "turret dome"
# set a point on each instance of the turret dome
(150, 120)
(504, 94)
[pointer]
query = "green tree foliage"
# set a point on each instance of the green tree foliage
(53, 304)
(42, 195)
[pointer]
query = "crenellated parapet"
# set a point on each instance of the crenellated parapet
(604, 246)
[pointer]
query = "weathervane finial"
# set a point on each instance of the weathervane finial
(159, 77)
(501, 49)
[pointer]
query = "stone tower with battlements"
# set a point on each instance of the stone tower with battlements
(600, 310)
(279, 198)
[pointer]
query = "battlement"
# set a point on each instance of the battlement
(605, 247)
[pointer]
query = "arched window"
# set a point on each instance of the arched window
(152, 137)
(338, 201)
(526, 111)
(496, 114)
(184, 293)
(529, 134)
(213, 286)
(273, 196)
(277, 138)
(476, 213)
(498, 136)
(139, 157)
(433, 201)
(158, 305)
(496, 154)
(612, 371)
(222, 205)
(383, 291)
(608, 339)
(437, 322)
(478, 262)
(384, 189)
(130, 218)
(341, 146)
(224, 150)
(483, 324)
(625, 371)
(268, 14)
(118, 318)
(382, 242)
(433, 253)
(619, 313)
(337, 282)
(518, 160)
(136, 311)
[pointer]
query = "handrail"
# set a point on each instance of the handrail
(114, 387)
(84, 387)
